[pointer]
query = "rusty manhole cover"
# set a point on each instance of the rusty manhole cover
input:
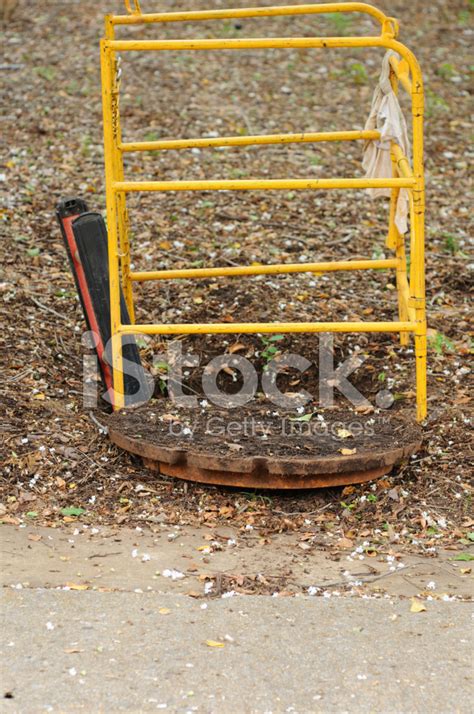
(259, 447)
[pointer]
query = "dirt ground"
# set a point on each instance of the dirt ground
(58, 465)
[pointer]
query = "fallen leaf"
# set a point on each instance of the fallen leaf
(164, 611)
(213, 643)
(347, 452)
(305, 417)
(364, 409)
(72, 511)
(417, 605)
(304, 546)
(77, 586)
(345, 543)
(465, 571)
(237, 347)
(466, 557)
(344, 433)
(35, 537)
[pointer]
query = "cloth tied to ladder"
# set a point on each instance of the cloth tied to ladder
(387, 117)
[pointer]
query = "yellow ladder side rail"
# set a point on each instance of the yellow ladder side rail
(118, 171)
(113, 222)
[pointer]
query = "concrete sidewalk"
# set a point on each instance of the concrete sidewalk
(67, 651)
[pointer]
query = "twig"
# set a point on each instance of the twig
(305, 513)
(104, 429)
(46, 308)
(364, 581)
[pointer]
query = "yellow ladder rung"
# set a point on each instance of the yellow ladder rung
(195, 273)
(264, 327)
(207, 142)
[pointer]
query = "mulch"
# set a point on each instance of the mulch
(55, 453)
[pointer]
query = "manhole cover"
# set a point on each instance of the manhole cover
(260, 447)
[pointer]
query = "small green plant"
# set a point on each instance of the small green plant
(446, 70)
(434, 103)
(86, 146)
(440, 343)
(464, 16)
(162, 368)
(347, 506)
(381, 377)
(358, 73)
(151, 136)
(47, 73)
(451, 243)
(372, 498)
(256, 499)
(340, 22)
(270, 350)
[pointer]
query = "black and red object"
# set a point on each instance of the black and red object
(85, 238)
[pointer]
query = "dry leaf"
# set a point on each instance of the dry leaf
(237, 347)
(213, 643)
(77, 586)
(347, 452)
(417, 605)
(344, 433)
(364, 409)
(304, 546)
(35, 537)
(164, 611)
(345, 543)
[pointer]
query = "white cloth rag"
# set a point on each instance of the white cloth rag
(387, 117)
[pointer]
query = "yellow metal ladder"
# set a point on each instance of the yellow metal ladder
(405, 72)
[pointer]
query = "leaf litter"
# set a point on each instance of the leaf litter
(58, 465)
